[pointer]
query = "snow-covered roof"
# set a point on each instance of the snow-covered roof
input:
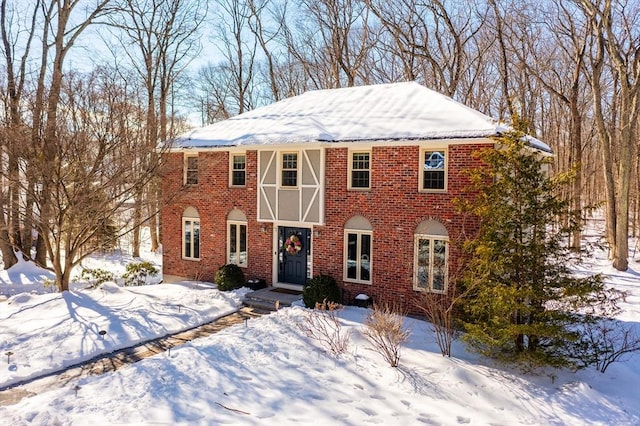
(394, 111)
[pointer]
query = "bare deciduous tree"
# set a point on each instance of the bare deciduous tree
(615, 54)
(164, 33)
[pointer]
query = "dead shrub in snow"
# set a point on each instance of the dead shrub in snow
(606, 341)
(439, 311)
(323, 325)
(384, 328)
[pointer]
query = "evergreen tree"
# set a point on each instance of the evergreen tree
(523, 303)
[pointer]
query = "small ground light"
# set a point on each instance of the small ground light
(102, 333)
(76, 388)
(246, 322)
(8, 354)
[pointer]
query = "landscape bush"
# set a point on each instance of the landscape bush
(96, 276)
(321, 289)
(229, 277)
(137, 273)
(384, 328)
(323, 326)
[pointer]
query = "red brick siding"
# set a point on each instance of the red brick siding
(214, 199)
(393, 206)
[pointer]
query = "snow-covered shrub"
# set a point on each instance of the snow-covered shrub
(137, 273)
(323, 325)
(96, 276)
(320, 289)
(229, 277)
(384, 328)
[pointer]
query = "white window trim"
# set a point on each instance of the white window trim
(345, 260)
(350, 174)
(182, 239)
(421, 158)
(237, 222)
(231, 170)
(429, 287)
(282, 169)
(186, 168)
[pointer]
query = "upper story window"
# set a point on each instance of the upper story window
(290, 169)
(238, 169)
(360, 166)
(434, 170)
(191, 169)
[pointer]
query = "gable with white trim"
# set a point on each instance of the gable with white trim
(278, 199)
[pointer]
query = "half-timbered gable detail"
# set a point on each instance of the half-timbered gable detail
(290, 186)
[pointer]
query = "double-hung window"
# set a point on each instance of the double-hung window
(238, 169)
(290, 169)
(360, 170)
(434, 170)
(191, 169)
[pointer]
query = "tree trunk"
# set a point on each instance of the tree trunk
(27, 224)
(621, 249)
(137, 217)
(8, 256)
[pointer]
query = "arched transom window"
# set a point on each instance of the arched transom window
(431, 250)
(358, 235)
(190, 234)
(237, 238)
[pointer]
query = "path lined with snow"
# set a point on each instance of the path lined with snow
(49, 332)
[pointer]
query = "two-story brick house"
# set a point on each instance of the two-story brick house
(356, 183)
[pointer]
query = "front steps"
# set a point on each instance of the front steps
(271, 299)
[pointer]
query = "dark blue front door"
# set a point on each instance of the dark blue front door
(294, 251)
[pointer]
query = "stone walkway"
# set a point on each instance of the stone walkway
(115, 360)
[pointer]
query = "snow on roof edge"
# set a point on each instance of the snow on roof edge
(204, 144)
(383, 112)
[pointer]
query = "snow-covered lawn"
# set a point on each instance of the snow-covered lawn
(269, 372)
(49, 332)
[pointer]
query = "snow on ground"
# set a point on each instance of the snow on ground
(268, 372)
(52, 331)
(26, 277)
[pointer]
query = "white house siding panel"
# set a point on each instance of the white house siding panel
(289, 205)
(265, 210)
(311, 199)
(267, 185)
(311, 167)
(268, 167)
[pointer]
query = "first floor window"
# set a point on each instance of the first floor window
(237, 243)
(358, 256)
(191, 238)
(431, 263)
